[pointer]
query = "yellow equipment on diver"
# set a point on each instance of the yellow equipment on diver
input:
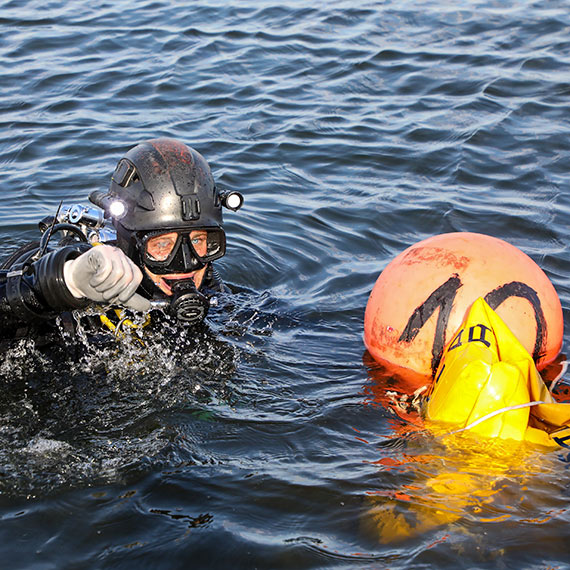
(487, 383)
(123, 321)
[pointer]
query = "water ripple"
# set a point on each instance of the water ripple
(353, 132)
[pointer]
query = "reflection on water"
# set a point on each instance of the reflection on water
(457, 482)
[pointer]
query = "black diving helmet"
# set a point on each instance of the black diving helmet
(166, 188)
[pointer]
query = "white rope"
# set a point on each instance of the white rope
(496, 413)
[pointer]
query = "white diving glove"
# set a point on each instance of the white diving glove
(106, 275)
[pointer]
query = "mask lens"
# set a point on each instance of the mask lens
(216, 245)
(159, 248)
(199, 241)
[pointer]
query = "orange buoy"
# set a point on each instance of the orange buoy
(421, 298)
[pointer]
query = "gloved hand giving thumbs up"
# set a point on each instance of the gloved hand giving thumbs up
(105, 274)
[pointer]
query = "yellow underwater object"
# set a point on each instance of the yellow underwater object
(459, 485)
(487, 383)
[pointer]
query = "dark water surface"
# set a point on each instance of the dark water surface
(354, 130)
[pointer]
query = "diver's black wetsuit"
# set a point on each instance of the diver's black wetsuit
(33, 292)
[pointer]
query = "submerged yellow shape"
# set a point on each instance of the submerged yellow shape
(466, 478)
(487, 382)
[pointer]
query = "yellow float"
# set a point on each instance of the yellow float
(487, 383)
(487, 403)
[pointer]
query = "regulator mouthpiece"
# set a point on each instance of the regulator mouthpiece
(187, 304)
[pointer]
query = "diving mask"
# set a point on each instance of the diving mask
(181, 251)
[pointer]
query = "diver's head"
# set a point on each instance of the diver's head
(171, 225)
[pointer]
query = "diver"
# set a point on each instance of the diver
(149, 245)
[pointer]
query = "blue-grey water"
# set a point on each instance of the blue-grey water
(353, 130)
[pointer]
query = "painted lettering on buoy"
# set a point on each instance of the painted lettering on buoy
(476, 333)
(442, 298)
(562, 441)
(517, 289)
(421, 297)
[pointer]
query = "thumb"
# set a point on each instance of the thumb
(96, 258)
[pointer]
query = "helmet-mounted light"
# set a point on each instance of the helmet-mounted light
(111, 205)
(231, 200)
(117, 209)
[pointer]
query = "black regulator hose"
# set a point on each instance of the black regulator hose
(59, 228)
